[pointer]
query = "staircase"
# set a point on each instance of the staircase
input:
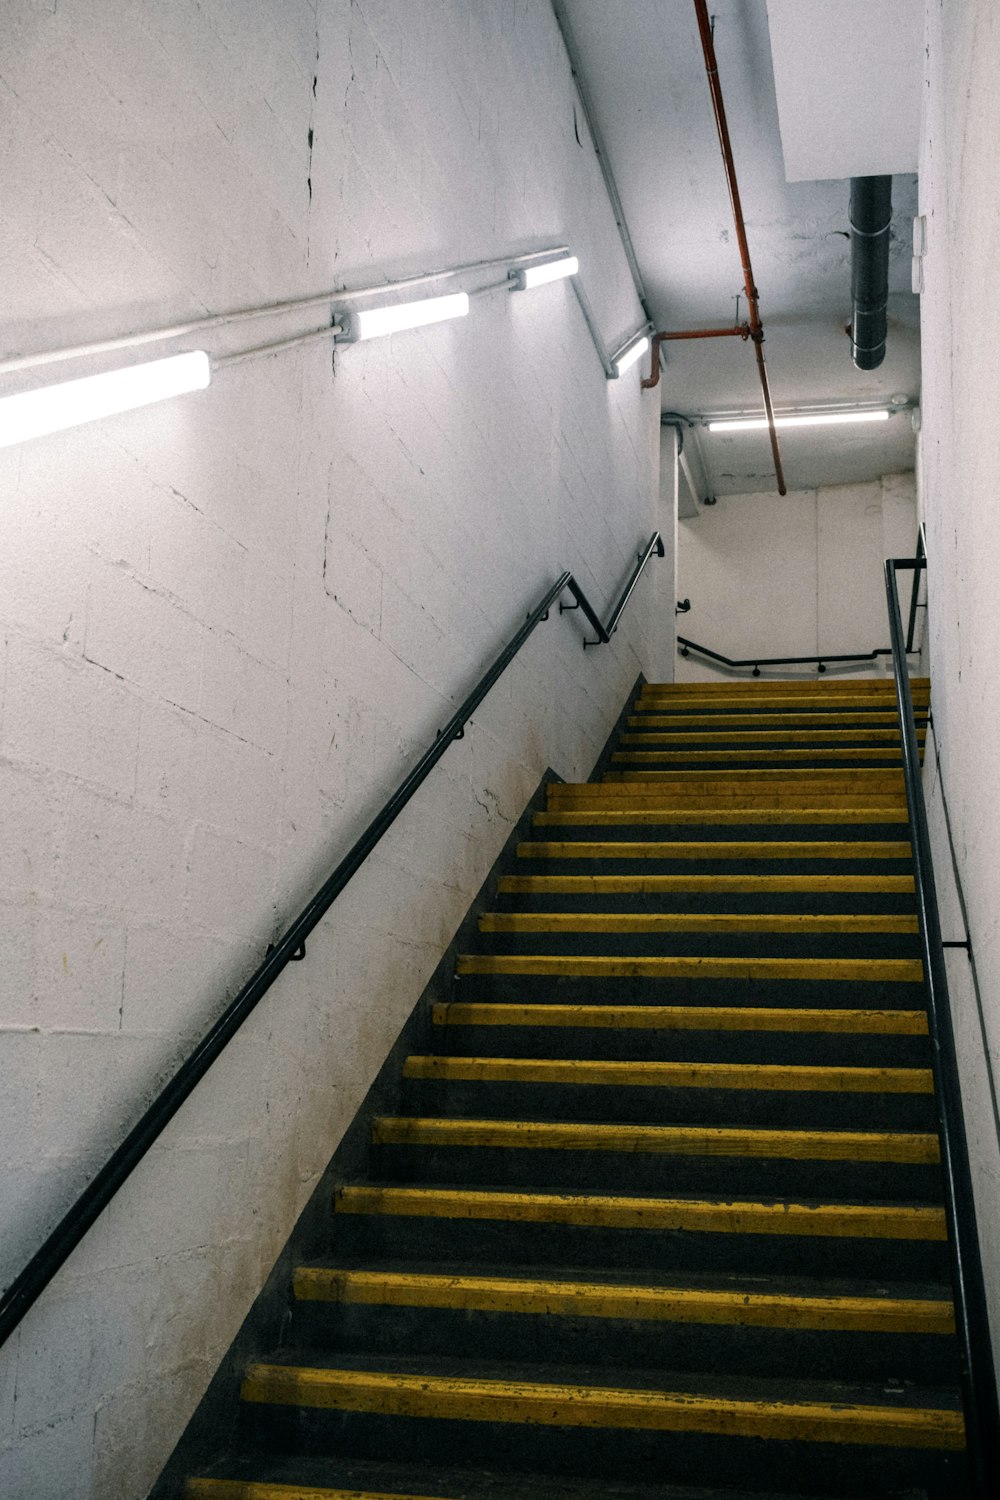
(660, 1212)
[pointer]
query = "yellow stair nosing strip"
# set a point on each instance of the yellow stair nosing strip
(724, 922)
(683, 1018)
(762, 737)
(720, 753)
(533, 1403)
(719, 817)
(608, 1211)
(763, 1077)
(864, 970)
(630, 1301)
(250, 1489)
(715, 849)
(568, 885)
(895, 1147)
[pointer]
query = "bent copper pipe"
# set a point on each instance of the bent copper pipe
(756, 327)
(653, 379)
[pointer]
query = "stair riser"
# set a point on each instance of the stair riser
(525, 988)
(498, 1241)
(631, 1172)
(768, 1109)
(748, 944)
(865, 1050)
(650, 1457)
(708, 864)
(617, 1343)
(859, 903)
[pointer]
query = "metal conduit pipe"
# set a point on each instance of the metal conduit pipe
(756, 327)
(653, 378)
(871, 216)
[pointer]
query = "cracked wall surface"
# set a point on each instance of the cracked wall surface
(231, 622)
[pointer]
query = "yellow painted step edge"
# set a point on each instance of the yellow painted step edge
(724, 753)
(668, 1304)
(599, 817)
(684, 1018)
(595, 885)
(739, 922)
(716, 849)
(898, 1147)
(861, 970)
(819, 735)
(596, 1211)
(537, 1404)
(251, 1489)
(766, 1077)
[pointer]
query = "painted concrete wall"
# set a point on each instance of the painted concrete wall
(792, 575)
(231, 622)
(960, 468)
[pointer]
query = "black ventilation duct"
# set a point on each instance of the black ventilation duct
(871, 215)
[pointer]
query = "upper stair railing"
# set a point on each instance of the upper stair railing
(971, 1316)
(820, 660)
(32, 1281)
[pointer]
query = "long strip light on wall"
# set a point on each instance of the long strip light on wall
(53, 408)
(806, 419)
(527, 277)
(374, 322)
(626, 358)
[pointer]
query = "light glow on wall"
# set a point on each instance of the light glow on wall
(377, 321)
(53, 408)
(810, 419)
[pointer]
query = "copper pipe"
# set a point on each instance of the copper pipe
(742, 330)
(756, 327)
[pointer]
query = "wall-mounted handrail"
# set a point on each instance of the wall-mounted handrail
(24, 1291)
(979, 1391)
(819, 658)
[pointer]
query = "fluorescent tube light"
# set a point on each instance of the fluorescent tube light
(55, 407)
(628, 357)
(376, 321)
(552, 270)
(816, 419)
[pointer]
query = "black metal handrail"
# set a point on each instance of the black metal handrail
(756, 662)
(971, 1318)
(32, 1281)
(819, 658)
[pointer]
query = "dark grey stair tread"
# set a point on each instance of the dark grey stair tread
(742, 1388)
(451, 1483)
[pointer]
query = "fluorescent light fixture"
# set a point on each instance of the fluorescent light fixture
(377, 321)
(814, 419)
(525, 277)
(54, 407)
(628, 357)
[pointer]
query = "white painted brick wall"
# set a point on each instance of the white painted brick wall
(787, 576)
(231, 622)
(960, 469)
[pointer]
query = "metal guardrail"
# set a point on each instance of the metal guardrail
(819, 659)
(29, 1285)
(971, 1317)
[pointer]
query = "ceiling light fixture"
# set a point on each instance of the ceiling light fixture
(53, 408)
(376, 321)
(809, 419)
(551, 270)
(627, 357)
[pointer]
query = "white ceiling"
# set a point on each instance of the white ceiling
(643, 74)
